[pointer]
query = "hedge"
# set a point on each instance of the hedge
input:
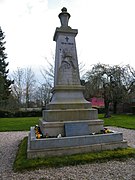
(33, 113)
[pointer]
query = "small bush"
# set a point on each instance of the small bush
(4, 113)
(33, 113)
(100, 110)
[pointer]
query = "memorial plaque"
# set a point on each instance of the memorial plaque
(76, 129)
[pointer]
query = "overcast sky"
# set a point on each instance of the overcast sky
(106, 30)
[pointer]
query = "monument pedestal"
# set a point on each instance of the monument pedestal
(73, 145)
(67, 106)
(70, 123)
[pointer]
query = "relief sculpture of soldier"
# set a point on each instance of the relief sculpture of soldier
(67, 60)
(67, 70)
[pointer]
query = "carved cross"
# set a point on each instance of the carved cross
(67, 38)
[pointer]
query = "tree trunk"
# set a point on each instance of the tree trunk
(107, 114)
(115, 107)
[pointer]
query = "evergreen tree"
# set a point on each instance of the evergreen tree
(5, 83)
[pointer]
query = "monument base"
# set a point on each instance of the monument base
(73, 145)
(55, 128)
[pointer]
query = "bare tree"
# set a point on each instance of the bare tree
(48, 72)
(29, 84)
(24, 85)
(17, 87)
(43, 95)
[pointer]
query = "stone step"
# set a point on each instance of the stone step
(69, 114)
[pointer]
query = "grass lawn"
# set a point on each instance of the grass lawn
(18, 124)
(24, 124)
(119, 120)
(22, 163)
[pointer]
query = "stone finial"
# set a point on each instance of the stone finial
(64, 17)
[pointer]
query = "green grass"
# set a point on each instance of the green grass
(22, 163)
(24, 124)
(119, 120)
(18, 124)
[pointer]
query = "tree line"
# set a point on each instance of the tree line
(116, 84)
(21, 89)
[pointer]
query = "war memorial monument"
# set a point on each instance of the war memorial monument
(69, 124)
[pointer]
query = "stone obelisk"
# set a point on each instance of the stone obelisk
(67, 91)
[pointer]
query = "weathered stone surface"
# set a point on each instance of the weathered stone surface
(73, 145)
(69, 115)
(76, 129)
(47, 143)
(75, 149)
(55, 128)
(66, 69)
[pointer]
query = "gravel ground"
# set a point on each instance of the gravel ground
(117, 170)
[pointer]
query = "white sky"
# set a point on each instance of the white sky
(106, 30)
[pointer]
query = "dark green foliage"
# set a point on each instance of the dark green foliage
(100, 110)
(4, 114)
(10, 114)
(33, 113)
(22, 163)
(5, 83)
(133, 110)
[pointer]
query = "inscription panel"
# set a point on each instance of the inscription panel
(67, 43)
(76, 129)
